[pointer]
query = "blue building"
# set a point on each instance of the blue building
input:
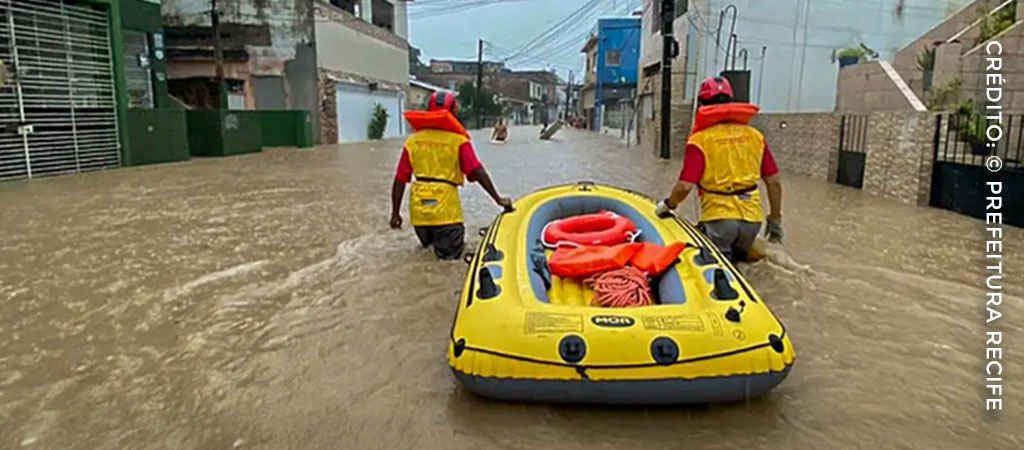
(613, 57)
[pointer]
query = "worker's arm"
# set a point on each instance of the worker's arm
(397, 192)
(679, 193)
(774, 197)
(693, 170)
(403, 175)
(770, 175)
(481, 176)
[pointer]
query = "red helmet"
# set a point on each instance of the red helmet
(443, 100)
(714, 86)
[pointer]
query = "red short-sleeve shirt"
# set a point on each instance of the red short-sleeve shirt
(468, 162)
(693, 164)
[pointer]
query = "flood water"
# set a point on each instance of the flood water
(262, 302)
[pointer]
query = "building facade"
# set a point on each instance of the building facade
(91, 95)
(364, 62)
(337, 59)
(527, 96)
(612, 61)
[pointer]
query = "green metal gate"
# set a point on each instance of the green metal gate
(57, 107)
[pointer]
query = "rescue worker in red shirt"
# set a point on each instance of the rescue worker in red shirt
(724, 160)
(440, 156)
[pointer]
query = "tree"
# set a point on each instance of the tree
(416, 66)
(467, 99)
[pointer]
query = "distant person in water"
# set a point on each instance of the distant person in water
(500, 132)
(440, 155)
(725, 158)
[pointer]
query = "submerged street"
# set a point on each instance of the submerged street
(261, 302)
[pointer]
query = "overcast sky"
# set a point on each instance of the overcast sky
(507, 25)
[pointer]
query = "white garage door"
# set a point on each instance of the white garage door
(355, 110)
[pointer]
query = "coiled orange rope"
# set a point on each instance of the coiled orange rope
(620, 288)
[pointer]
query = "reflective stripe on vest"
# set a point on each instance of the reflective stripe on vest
(732, 167)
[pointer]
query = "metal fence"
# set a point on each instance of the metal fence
(959, 172)
(962, 139)
(853, 136)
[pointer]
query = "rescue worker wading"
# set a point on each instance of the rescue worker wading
(724, 159)
(440, 155)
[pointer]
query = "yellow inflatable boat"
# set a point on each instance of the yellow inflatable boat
(521, 334)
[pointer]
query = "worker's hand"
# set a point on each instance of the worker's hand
(774, 231)
(663, 210)
(505, 202)
(396, 221)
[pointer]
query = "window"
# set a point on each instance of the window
(352, 6)
(536, 90)
(383, 15)
(137, 71)
(612, 58)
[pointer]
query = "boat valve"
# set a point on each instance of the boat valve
(724, 290)
(572, 349)
(664, 351)
(733, 315)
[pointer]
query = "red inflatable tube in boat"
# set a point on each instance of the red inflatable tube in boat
(603, 228)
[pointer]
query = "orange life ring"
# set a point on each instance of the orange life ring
(603, 228)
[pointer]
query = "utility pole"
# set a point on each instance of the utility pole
(568, 96)
(218, 60)
(668, 51)
(479, 83)
(760, 77)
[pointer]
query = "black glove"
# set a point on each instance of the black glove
(663, 210)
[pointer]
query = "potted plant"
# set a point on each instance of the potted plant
(926, 62)
(850, 56)
(971, 130)
(378, 123)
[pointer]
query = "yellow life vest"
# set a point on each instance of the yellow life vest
(434, 197)
(732, 168)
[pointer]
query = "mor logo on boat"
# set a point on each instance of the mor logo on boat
(613, 321)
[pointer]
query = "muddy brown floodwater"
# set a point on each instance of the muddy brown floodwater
(261, 302)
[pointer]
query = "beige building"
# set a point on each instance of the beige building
(419, 93)
(338, 59)
(363, 61)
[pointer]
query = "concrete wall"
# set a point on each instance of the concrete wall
(905, 60)
(866, 87)
(898, 150)
(973, 68)
(802, 143)
(898, 164)
(350, 45)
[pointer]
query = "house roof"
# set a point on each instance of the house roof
(430, 87)
(592, 41)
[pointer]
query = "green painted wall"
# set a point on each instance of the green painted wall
(148, 136)
(155, 136)
(286, 128)
(223, 133)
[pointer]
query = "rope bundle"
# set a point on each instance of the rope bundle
(620, 288)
